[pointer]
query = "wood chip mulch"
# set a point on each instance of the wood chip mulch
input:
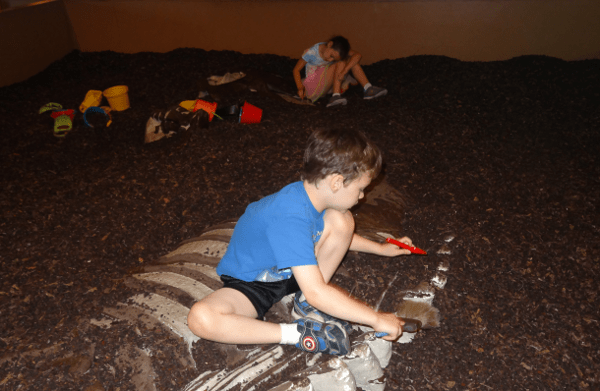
(502, 155)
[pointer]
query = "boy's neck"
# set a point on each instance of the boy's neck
(317, 193)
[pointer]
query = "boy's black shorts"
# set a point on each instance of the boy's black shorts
(262, 294)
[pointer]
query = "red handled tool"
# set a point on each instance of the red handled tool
(412, 249)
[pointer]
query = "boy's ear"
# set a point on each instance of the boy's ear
(329, 44)
(337, 182)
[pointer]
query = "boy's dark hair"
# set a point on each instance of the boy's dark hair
(347, 152)
(341, 45)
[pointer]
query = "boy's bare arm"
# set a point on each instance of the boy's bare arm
(336, 302)
(365, 245)
(298, 78)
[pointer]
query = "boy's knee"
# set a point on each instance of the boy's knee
(339, 66)
(200, 319)
(339, 222)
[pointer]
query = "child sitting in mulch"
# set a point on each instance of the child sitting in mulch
(327, 66)
(293, 241)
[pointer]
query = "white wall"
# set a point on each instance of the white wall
(470, 30)
(32, 37)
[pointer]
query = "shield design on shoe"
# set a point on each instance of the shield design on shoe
(309, 343)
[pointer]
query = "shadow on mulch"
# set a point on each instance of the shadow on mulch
(501, 155)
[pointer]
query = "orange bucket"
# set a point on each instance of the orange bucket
(250, 114)
(209, 107)
(117, 97)
(92, 98)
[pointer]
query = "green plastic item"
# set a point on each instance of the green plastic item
(50, 106)
(63, 119)
(62, 125)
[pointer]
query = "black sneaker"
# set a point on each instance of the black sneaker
(304, 310)
(337, 100)
(374, 92)
(322, 337)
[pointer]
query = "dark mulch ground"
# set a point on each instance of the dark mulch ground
(503, 155)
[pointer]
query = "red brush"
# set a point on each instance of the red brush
(412, 249)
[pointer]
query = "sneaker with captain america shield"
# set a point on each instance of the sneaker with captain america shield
(322, 337)
(304, 310)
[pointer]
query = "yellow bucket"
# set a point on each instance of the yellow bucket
(92, 98)
(117, 97)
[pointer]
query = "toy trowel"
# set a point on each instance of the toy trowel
(410, 326)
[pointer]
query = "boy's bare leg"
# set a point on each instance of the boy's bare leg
(228, 316)
(359, 75)
(334, 242)
(330, 76)
(356, 70)
(338, 67)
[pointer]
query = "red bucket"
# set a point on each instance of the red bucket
(209, 107)
(70, 113)
(250, 114)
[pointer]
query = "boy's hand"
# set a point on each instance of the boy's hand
(389, 323)
(391, 250)
(302, 93)
(384, 249)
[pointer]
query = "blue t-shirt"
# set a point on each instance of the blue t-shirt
(274, 234)
(313, 58)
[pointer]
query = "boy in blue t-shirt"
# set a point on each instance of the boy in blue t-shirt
(293, 241)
